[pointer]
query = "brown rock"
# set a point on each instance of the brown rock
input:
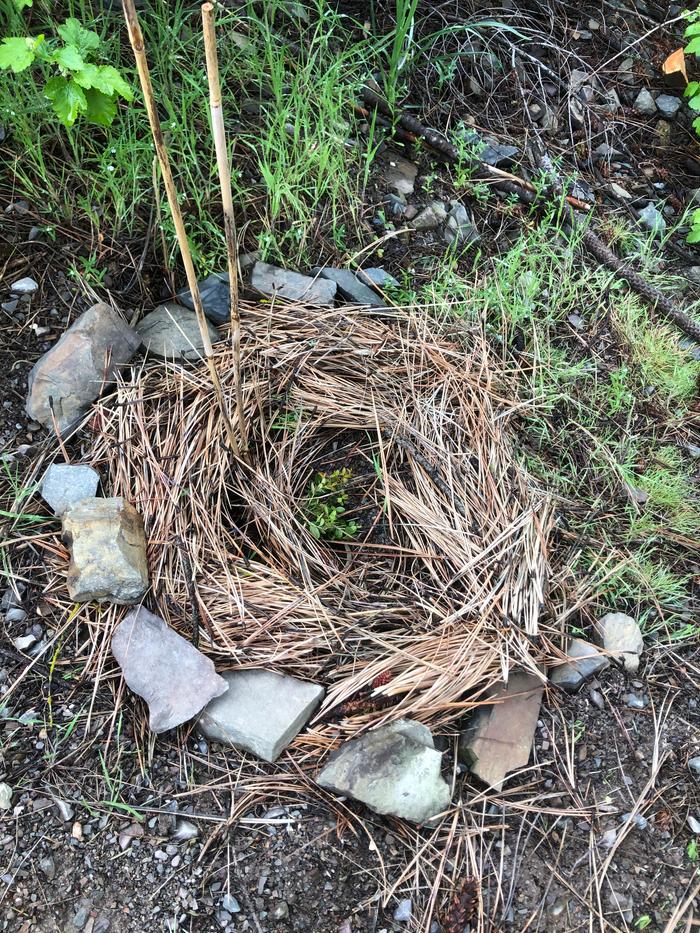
(108, 551)
(77, 368)
(499, 738)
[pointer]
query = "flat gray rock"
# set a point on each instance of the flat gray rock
(350, 287)
(460, 228)
(216, 297)
(499, 737)
(430, 217)
(621, 636)
(394, 770)
(585, 660)
(159, 665)
(400, 175)
(172, 331)
(383, 279)
(668, 105)
(24, 286)
(271, 280)
(652, 219)
(65, 484)
(79, 366)
(261, 711)
(108, 551)
(496, 153)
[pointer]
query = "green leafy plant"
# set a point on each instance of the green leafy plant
(643, 922)
(76, 83)
(692, 92)
(693, 850)
(325, 506)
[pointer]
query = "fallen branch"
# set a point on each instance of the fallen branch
(526, 192)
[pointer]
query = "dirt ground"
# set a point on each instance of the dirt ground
(599, 828)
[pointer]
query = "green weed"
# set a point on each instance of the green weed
(325, 503)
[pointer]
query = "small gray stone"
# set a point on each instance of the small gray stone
(81, 917)
(271, 280)
(229, 903)
(430, 217)
(459, 228)
(400, 175)
(73, 373)
(261, 711)
(173, 677)
(644, 103)
(496, 154)
(215, 293)
(652, 219)
(379, 277)
(694, 764)
(16, 614)
(65, 810)
(5, 796)
(404, 911)
(668, 105)
(10, 306)
(350, 287)
(635, 702)
(626, 72)
(620, 635)
(47, 867)
(24, 642)
(584, 661)
(184, 831)
(611, 100)
(618, 192)
(172, 331)
(280, 911)
(394, 770)
(694, 824)
(24, 286)
(108, 551)
(65, 484)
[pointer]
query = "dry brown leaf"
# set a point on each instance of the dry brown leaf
(675, 62)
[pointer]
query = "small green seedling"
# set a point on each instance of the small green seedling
(75, 83)
(692, 92)
(325, 506)
(643, 922)
(692, 850)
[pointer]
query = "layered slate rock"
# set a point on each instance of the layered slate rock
(215, 292)
(394, 770)
(350, 287)
(108, 551)
(584, 661)
(271, 280)
(621, 636)
(261, 712)
(66, 484)
(73, 373)
(172, 331)
(172, 676)
(499, 737)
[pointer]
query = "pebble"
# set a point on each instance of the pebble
(618, 192)
(280, 910)
(668, 105)
(15, 614)
(694, 764)
(185, 830)
(5, 796)
(652, 219)
(641, 822)
(607, 840)
(694, 825)
(23, 642)
(635, 702)
(47, 867)
(24, 286)
(229, 903)
(10, 306)
(404, 911)
(644, 103)
(81, 917)
(66, 812)
(597, 698)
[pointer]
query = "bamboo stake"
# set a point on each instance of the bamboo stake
(136, 39)
(219, 133)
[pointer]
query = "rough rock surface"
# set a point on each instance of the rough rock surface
(585, 660)
(350, 287)
(394, 770)
(499, 737)
(159, 665)
(430, 217)
(621, 636)
(172, 331)
(65, 484)
(377, 276)
(400, 175)
(271, 280)
(260, 712)
(108, 551)
(76, 369)
(215, 294)
(668, 105)
(644, 103)
(460, 227)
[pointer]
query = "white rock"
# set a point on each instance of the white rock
(620, 635)
(5, 796)
(65, 484)
(24, 286)
(260, 712)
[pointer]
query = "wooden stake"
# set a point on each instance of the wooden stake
(136, 39)
(219, 133)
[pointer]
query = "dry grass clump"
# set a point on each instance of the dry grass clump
(437, 596)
